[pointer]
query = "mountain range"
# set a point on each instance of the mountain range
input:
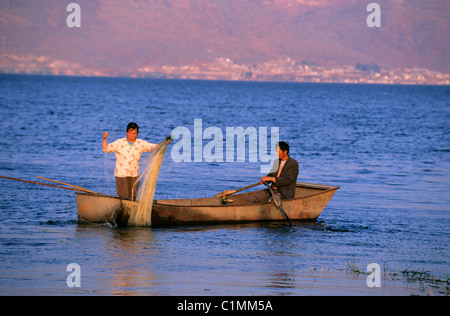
(128, 37)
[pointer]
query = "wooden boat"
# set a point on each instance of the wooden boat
(309, 201)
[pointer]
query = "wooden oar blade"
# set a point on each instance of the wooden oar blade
(276, 200)
(226, 192)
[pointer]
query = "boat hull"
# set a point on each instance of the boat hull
(307, 205)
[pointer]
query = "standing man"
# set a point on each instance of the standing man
(284, 179)
(128, 153)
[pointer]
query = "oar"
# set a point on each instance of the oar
(229, 192)
(46, 184)
(70, 185)
(277, 202)
(40, 183)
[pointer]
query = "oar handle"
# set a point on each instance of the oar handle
(247, 187)
(226, 193)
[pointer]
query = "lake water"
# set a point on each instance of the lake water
(387, 147)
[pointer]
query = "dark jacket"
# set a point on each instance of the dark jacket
(287, 180)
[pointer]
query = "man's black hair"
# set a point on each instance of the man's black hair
(133, 126)
(283, 146)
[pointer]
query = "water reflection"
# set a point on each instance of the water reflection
(122, 261)
(131, 252)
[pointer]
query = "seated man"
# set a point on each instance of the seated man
(283, 180)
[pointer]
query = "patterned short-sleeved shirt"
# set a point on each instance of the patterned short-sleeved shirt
(127, 156)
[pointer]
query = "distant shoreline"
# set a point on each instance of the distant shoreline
(226, 80)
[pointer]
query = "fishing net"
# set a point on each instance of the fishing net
(143, 214)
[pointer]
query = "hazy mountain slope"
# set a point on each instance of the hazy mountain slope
(120, 35)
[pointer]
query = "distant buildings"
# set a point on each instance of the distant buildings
(289, 70)
(285, 69)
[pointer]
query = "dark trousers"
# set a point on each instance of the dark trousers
(127, 188)
(259, 197)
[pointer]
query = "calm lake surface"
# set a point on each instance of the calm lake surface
(387, 147)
